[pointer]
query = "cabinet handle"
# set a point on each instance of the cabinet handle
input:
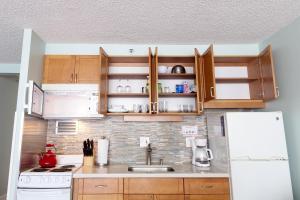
(277, 91)
(212, 92)
(101, 186)
(201, 106)
(207, 186)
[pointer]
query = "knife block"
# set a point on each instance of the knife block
(88, 161)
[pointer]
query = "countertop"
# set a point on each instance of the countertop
(121, 171)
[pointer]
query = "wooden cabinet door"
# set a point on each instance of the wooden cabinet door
(102, 197)
(103, 82)
(154, 80)
(169, 197)
(207, 197)
(270, 89)
(87, 69)
(199, 82)
(59, 69)
(152, 68)
(209, 74)
(138, 197)
(103, 186)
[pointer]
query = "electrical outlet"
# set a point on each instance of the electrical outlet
(144, 141)
(189, 130)
(188, 141)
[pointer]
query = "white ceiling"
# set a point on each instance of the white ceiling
(141, 21)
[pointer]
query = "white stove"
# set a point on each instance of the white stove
(47, 183)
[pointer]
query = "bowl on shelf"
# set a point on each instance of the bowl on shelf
(162, 69)
(178, 69)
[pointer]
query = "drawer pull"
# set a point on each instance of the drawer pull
(101, 186)
(208, 186)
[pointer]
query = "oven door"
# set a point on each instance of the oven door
(44, 194)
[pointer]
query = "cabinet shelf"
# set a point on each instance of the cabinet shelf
(128, 95)
(176, 113)
(128, 114)
(235, 80)
(177, 76)
(233, 103)
(177, 95)
(128, 76)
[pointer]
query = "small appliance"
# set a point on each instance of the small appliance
(201, 154)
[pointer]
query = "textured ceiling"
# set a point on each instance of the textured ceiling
(141, 21)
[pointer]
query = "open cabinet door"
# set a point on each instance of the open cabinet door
(151, 68)
(209, 74)
(270, 89)
(199, 82)
(35, 104)
(103, 82)
(154, 79)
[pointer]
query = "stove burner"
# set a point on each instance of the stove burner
(67, 166)
(61, 170)
(40, 170)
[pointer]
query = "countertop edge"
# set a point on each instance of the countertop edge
(146, 175)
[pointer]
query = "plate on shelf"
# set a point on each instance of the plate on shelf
(114, 110)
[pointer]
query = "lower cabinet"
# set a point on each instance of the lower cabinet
(207, 197)
(151, 189)
(101, 197)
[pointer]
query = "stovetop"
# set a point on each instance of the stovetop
(64, 168)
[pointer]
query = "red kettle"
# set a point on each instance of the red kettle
(48, 158)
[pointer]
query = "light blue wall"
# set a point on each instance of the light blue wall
(8, 100)
(286, 53)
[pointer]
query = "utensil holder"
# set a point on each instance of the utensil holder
(88, 161)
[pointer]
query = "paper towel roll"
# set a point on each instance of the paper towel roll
(103, 151)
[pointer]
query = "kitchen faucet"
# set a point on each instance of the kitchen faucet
(148, 154)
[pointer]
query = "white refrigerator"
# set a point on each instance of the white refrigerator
(259, 166)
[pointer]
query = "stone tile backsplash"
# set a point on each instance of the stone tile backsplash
(165, 137)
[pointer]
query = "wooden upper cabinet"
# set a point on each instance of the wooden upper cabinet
(199, 82)
(71, 69)
(154, 81)
(103, 82)
(87, 69)
(59, 69)
(269, 87)
(209, 74)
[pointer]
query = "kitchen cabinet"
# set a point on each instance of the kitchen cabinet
(151, 189)
(239, 81)
(71, 69)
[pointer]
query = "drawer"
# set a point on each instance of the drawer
(103, 186)
(206, 186)
(206, 197)
(102, 197)
(138, 197)
(153, 186)
(169, 197)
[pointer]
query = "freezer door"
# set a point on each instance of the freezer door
(256, 135)
(261, 180)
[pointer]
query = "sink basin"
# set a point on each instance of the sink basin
(150, 168)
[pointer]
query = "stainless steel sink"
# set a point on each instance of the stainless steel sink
(151, 168)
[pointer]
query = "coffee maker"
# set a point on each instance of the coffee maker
(201, 154)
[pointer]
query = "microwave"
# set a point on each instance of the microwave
(63, 101)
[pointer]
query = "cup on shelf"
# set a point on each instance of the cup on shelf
(137, 108)
(163, 106)
(120, 88)
(190, 108)
(179, 88)
(166, 90)
(145, 108)
(127, 88)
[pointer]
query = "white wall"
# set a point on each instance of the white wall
(286, 51)
(9, 68)
(8, 100)
(31, 66)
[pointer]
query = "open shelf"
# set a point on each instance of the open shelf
(176, 113)
(128, 95)
(128, 76)
(128, 114)
(177, 76)
(235, 80)
(177, 94)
